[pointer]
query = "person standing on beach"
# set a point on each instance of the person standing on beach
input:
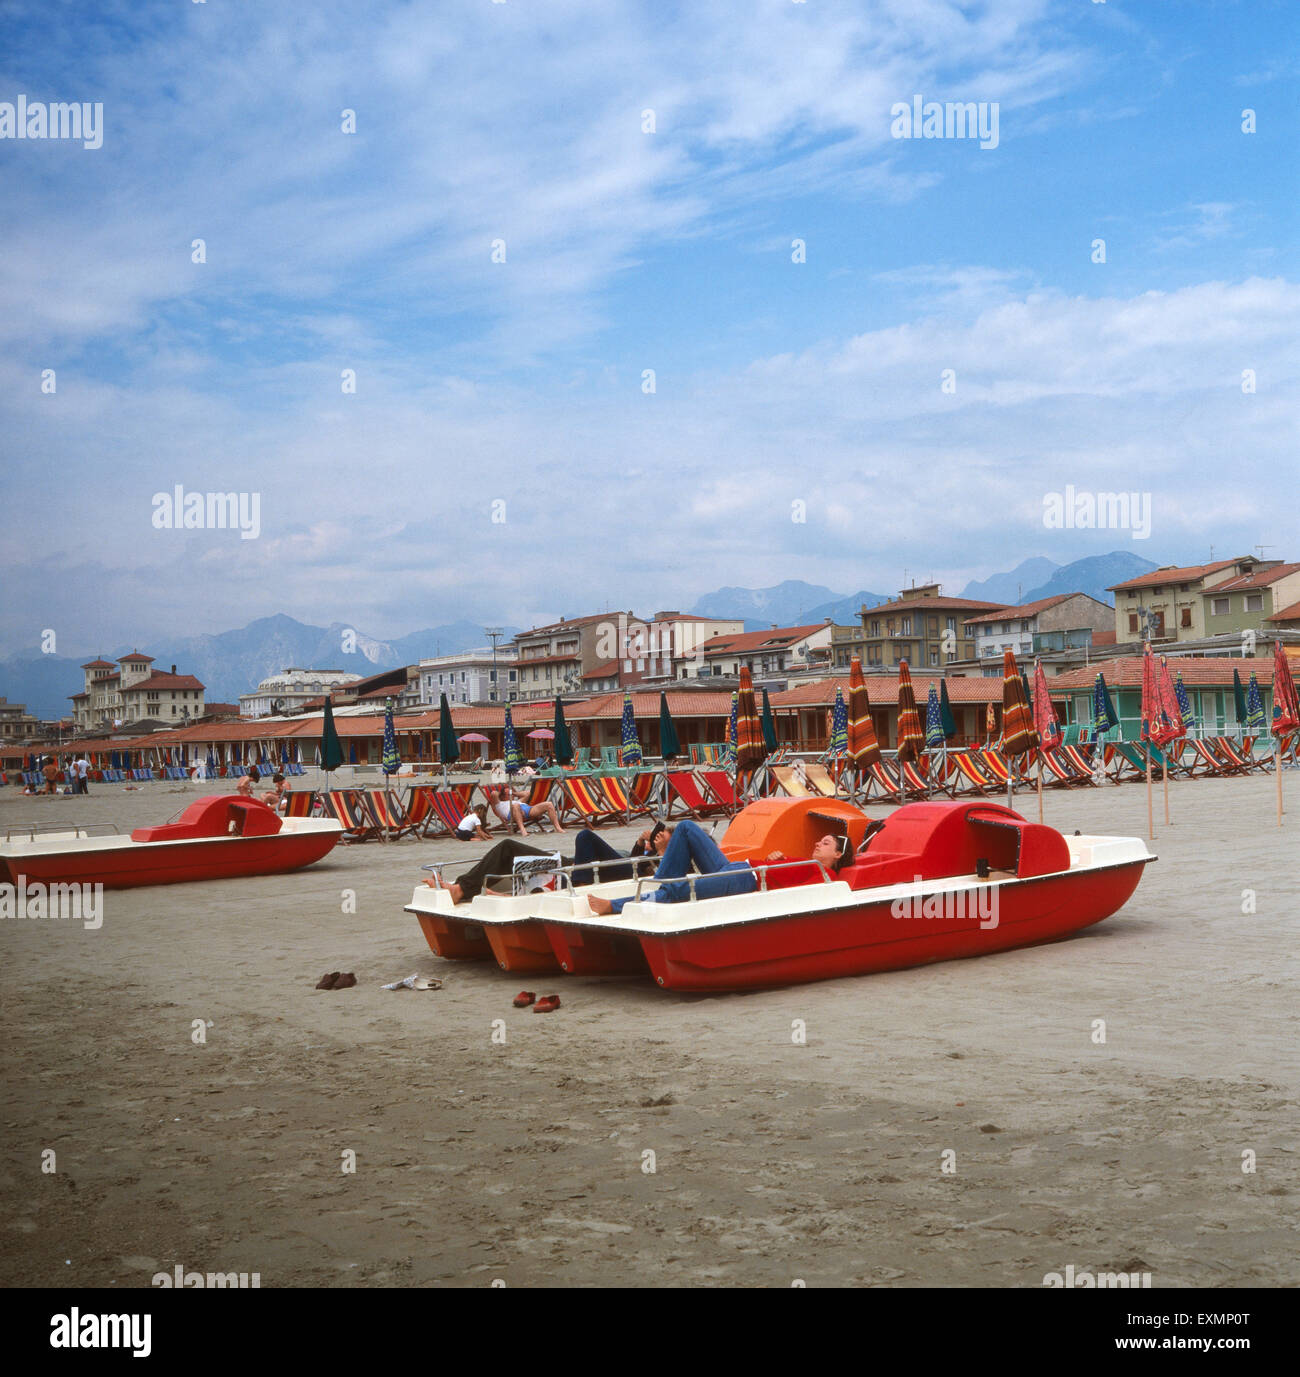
(81, 775)
(51, 772)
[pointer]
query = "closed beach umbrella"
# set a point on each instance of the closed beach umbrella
(1173, 727)
(352, 753)
(331, 748)
(669, 745)
(1184, 701)
(1239, 698)
(1254, 706)
(945, 711)
(1018, 734)
(750, 748)
(768, 724)
(1103, 710)
(864, 749)
(1286, 707)
(391, 760)
(1046, 723)
(514, 760)
(990, 722)
(911, 740)
(1151, 727)
(839, 742)
(563, 744)
(934, 737)
(731, 733)
(629, 742)
(448, 747)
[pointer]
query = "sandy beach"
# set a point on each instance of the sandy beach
(772, 1161)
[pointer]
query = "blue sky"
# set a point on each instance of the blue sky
(521, 382)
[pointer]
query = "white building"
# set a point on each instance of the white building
(290, 689)
(470, 676)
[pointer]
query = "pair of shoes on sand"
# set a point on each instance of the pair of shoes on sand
(546, 1005)
(337, 980)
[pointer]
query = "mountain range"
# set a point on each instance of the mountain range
(234, 662)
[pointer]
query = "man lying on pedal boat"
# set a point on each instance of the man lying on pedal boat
(692, 845)
(588, 846)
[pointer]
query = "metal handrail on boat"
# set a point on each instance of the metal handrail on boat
(761, 871)
(32, 830)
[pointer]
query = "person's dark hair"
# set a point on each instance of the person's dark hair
(845, 856)
(254, 773)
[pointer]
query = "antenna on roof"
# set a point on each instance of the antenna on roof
(1262, 548)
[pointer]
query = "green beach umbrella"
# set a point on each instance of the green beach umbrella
(331, 748)
(1239, 698)
(768, 723)
(563, 746)
(448, 746)
(945, 711)
(669, 745)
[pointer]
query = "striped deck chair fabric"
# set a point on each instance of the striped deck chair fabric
(1058, 771)
(343, 806)
(1002, 768)
(386, 814)
(644, 790)
(917, 777)
(298, 803)
(586, 798)
(620, 797)
(447, 806)
(1241, 754)
(884, 780)
(968, 774)
(684, 789)
(1081, 758)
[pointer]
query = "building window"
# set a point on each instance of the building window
(1132, 621)
(1185, 618)
(906, 627)
(875, 628)
(1254, 602)
(934, 657)
(1219, 606)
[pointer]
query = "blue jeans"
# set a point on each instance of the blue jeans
(692, 845)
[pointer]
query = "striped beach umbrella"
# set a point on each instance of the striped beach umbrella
(1286, 706)
(390, 760)
(563, 747)
(864, 749)
(839, 742)
(911, 740)
(1255, 721)
(1170, 709)
(751, 750)
(630, 742)
(1184, 701)
(1046, 723)
(514, 759)
(730, 752)
(768, 724)
(934, 737)
(1018, 734)
(669, 745)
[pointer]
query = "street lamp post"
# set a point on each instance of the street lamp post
(494, 633)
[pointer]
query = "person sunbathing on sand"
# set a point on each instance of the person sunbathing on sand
(692, 846)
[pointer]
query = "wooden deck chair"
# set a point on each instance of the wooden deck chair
(447, 806)
(917, 778)
(1057, 771)
(1202, 760)
(588, 802)
(1002, 769)
(820, 779)
(298, 803)
(788, 781)
(721, 789)
(343, 806)
(967, 774)
(1082, 758)
(684, 790)
(645, 790)
(622, 798)
(387, 814)
(883, 782)
(1240, 755)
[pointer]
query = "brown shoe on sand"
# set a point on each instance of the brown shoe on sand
(345, 981)
(326, 982)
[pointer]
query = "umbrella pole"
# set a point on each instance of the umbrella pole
(1277, 769)
(1166, 783)
(1040, 784)
(1151, 824)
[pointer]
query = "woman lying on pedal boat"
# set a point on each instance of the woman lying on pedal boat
(691, 846)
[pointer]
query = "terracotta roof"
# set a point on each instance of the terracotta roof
(99, 664)
(546, 660)
(602, 670)
(135, 655)
(220, 709)
(1025, 609)
(1187, 574)
(1261, 578)
(776, 638)
(935, 605)
(75, 696)
(158, 680)
(882, 690)
(565, 625)
(1209, 671)
(1287, 614)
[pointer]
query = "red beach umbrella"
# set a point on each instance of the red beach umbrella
(911, 739)
(1286, 713)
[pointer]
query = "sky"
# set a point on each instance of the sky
(639, 300)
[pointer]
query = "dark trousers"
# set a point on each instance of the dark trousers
(497, 861)
(591, 846)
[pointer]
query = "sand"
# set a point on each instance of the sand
(641, 1138)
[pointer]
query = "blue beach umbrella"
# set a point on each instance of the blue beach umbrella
(628, 738)
(934, 734)
(391, 760)
(514, 760)
(1103, 712)
(1184, 701)
(839, 743)
(731, 731)
(1255, 720)
(352, 754)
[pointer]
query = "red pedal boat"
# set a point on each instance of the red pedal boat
(937, 881)
(214, 838)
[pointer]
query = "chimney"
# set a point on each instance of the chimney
(173, 669)
(775, 626)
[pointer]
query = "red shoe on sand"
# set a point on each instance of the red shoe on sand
(524, 998)
(547, 1004)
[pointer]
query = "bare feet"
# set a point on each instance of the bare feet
(598, 905)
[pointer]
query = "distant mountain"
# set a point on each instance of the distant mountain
(1009, 588)
(1093, 576)
(792, 603)
(234, 662)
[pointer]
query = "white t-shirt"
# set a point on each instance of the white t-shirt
(468, 825)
